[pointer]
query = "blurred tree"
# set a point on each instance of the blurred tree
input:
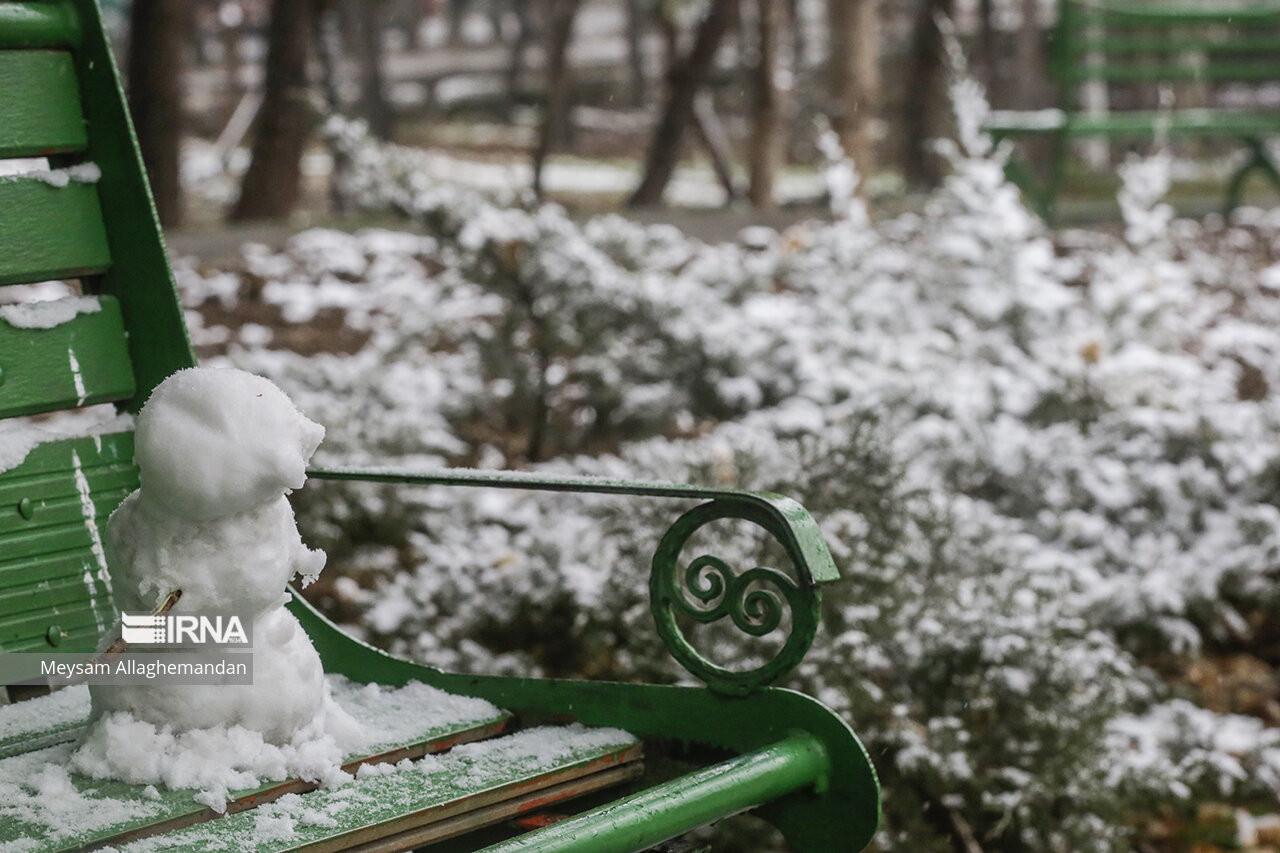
(558, 17)
(272, 184)
(855, 78)
(158, 31)
(526, 32)
(685, 76)
(767, 142)
(637, 18)
(925, 109)
(364, 23)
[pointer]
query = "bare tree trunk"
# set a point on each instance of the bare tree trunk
(766, 150)
(556, 118)
(711, 133)
(855, 78)
(684, 78)
(525, 34)
(926, 103)
(1031, 64)
(635, 50)
(373, 91)
(272, 184)
(987, 51)
(158, 32)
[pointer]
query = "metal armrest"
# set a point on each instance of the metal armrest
(706, 589)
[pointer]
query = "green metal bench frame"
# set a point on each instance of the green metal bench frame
(794, 761)
(1153, 43)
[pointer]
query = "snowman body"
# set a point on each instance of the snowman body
(217, 451)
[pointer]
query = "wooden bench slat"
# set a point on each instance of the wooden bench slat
(83, 361)
(39, 104)
(52, 485)
(58, 511)
(80, 615)
(50, 573)
(422, 733)
(1173, 70)
(24, 25)
(1163, 44)
(60, 233)
(396, 803)
(79, 640)
(44, 595)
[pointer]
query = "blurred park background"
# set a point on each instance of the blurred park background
(713, 108)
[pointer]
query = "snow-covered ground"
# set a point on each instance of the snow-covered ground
(1048, 464)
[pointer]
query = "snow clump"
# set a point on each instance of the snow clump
(218, 450)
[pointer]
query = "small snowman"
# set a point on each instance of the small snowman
(217, 452)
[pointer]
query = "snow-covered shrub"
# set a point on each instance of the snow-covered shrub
(1045, 462)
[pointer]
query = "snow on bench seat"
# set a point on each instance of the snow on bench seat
(40, 800)
(416, 802)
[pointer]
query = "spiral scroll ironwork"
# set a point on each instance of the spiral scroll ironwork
(708, 590)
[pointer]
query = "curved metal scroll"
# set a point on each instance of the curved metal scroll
(707, 590)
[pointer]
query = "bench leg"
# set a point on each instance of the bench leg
(1260, 159)
(1019, 173)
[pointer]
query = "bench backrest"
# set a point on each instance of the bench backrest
(1131, 41)
(60, 99)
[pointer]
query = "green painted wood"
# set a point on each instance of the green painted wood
(1123, 43)
(1233, 43)
(1178, 71)
(27, 25)
(140, 276)
(1173, 13)
(177, 806)
(52, 567)
(453, 779)
(640, 821)
(842, 816)
(1142, 124)
(83, 361)
(39, 104)
(50, 232)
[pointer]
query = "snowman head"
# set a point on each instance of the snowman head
(212, 442)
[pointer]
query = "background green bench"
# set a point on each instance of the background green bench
(1137, 48)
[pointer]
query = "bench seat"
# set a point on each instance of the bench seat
(443, 766)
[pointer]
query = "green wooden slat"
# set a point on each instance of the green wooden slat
(47, 568)
(40, 374)
(67, 454)
(1215, 71)
(50, 513)
(50, 232)
(78, 641)
(48, 486)
(1163, 44)
(1186, 123)
(39, 104)
(178, 805)
(35, 626)
(1239, 14)
(374, 800)
(43, 595)
(38, 25)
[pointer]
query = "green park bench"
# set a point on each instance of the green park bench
(1228, 51)
(679, 757)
